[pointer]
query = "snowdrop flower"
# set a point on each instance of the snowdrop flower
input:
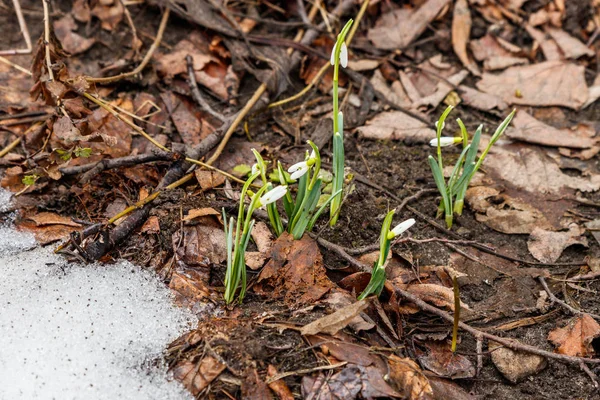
(343, 55)
(400, 228)
(273, 195)
(437, 123)
(445, 141)
(254, 169)
(298, 170)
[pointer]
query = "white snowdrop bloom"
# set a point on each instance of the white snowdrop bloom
(343, 55)
(437, 123)
(299, 169)
(332, 58)
(445, 141)
(254, 169)
(402, 227)
(273, 195)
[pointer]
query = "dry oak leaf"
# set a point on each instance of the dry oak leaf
(550, 83)
(508, 216)
(398, 28)
(394, 125)
(209, 179)
(547, 246)
(407, 377)
(201, 245)
(576, 338)
(197, 376)
(200, 212)
(338, 320)
(439, 358)
(528, 129)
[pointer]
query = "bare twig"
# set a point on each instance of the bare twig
(304, 371)
(147, 57)
(196, 91)
(342, 252)
(92, 169)
(555, 299)
(47, 40)
(24, 32)
(507, 342)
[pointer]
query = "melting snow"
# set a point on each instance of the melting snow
(81, 332)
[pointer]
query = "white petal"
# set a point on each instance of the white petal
(273, 195)
(402, 227)
(344, 56)
(254, 169)
(443, 125)
(445, 141)
(299, 172)
(297, 167)
(332, 58)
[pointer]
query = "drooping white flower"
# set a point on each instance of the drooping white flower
(273, 195)
(445, 141)
(298, 169)
(254, 169)
(401, 228)
(343, 55)
(332, 58)
(437, 123)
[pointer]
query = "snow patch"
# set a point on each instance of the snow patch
(69, 331)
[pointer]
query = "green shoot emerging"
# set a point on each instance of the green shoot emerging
(453, 191)
(237, 241)
(377, 281)
(339, 55)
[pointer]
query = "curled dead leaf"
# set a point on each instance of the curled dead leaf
(408, 378)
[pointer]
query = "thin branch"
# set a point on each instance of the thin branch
(24, 32)
(555, 299)
(196, 91)
(147, 57)
(507, 342)
(47, 40)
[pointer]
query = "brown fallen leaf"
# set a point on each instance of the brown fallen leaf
(200, 212)
(201, 245)
(110, 12)
(197, 376)
(340, 299)
(254, 388)
(338, 320)
(408, 378)
(439, 358)
(570, 46)
(438, 295)
(396, 94)
(444, 389)
(528, 129)
(344, 348)
(71, 41)
(295, 272)
(191, 286)
(443, 89)
(398, 28)
(396, 125)
(509, 216)
(209, 179)
(575, 339)
(489, 50)
(279, 387)
(461, 33)
(547, 246)
(548, 46)
(480, 100)
(186, 122)
(528, 168)
(152, 225)
(550, 83)
(49, 218)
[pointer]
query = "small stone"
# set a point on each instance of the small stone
(513, 365)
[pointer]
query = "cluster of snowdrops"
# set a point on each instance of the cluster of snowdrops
(307, 203)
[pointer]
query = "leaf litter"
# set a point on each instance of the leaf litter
(526, 188)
